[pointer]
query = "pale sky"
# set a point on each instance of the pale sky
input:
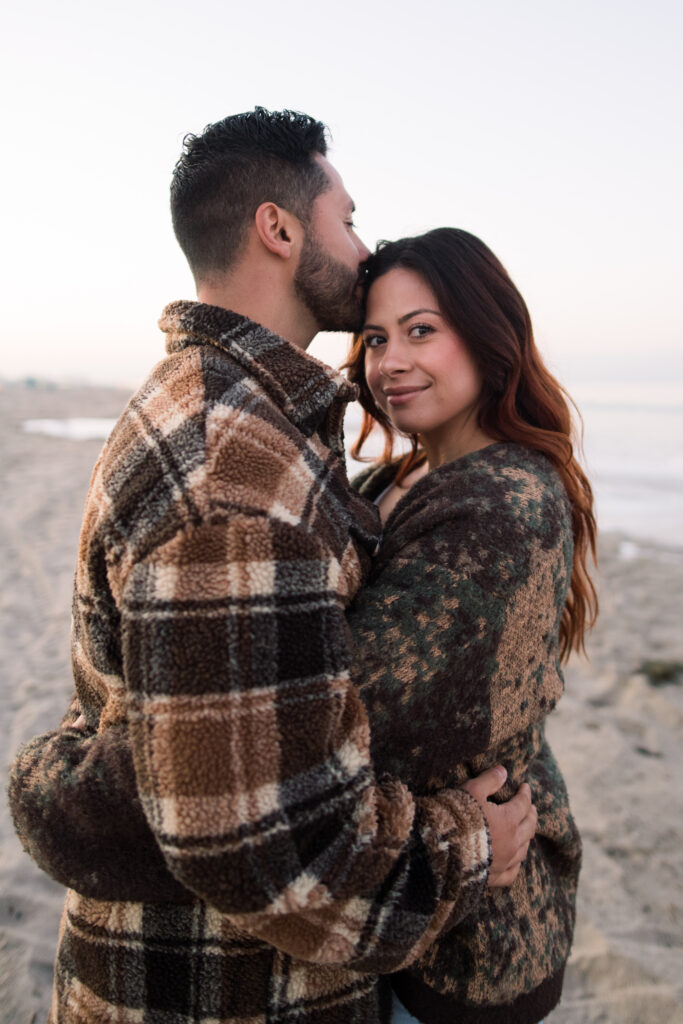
(551, 130)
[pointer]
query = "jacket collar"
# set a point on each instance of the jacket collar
(304, 388)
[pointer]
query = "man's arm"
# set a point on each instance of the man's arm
(251, 759)
(251, 752)
(73, 797)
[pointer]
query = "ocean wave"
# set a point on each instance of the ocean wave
(75, 429)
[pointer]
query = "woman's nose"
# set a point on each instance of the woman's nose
(394, 359)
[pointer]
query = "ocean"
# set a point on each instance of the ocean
(633, 454)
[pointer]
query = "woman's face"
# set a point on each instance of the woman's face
(418, 368)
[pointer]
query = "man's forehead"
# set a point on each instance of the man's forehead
(335, 180)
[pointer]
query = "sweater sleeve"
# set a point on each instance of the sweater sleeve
(250, 748)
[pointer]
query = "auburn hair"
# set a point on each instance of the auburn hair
(520, 401)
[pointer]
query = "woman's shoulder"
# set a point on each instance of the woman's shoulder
(502, 492)
(501, 470)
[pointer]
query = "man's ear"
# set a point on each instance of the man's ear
(279, 230)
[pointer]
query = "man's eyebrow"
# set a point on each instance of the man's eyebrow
(415, 312)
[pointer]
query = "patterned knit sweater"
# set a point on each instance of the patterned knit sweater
(457, 634)
(231, 851)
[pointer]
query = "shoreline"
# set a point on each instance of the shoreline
(617, 736)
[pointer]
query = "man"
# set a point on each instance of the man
(231, 855)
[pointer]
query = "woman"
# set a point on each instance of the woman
(479, 590)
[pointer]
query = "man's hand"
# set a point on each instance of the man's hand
(511, 825)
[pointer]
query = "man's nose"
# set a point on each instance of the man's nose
(363, 251)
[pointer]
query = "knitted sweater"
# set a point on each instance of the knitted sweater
(221, 544)
(457, 632)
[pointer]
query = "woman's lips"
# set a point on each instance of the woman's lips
(399, 396)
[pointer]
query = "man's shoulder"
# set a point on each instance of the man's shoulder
(202, 437)
(189, 400)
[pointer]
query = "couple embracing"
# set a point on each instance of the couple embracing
(304, 776)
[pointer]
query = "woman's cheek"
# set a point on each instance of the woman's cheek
(371, 376)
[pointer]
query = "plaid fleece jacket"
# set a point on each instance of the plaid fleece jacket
(221, 544)
(457, 632)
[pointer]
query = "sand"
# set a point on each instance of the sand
(618, 737)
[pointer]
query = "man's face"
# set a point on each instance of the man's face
(326, 279)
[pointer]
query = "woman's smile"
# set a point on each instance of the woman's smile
(402, 394)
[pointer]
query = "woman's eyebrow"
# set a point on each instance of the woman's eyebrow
(415, 312)
(402, 319)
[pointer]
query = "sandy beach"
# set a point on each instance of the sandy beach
(618, 733)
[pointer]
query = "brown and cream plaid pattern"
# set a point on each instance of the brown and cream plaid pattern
(221, 545)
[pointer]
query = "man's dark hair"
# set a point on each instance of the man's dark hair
(224, 174)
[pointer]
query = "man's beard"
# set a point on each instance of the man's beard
(328, 289)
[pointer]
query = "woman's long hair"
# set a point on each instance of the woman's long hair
(520, 401)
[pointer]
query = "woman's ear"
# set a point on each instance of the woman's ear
(278, 230)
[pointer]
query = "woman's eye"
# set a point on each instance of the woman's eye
(373, 340)
(420, 331)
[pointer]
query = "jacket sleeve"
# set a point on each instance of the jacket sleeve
(250, 748)
(74, 802)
